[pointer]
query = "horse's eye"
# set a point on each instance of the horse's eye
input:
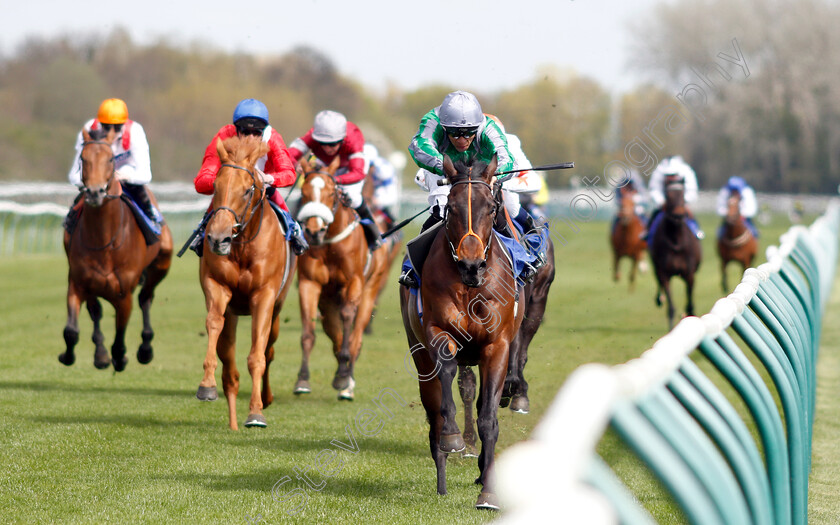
(248, 193)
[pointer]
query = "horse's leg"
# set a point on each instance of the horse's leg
(466, 387)
(492, 372)
(123, 313)
(666, 287)
(634, 262)
(267, 396)
(226, 349)
(363, 317)
(689, 291)
(308, 292)
(100, 354)
(616, 258)
(451, 440)
(349, 313)
(71, 329)
(262, 308)
(431, 399)
(216, 299)
(723, 282)
(152, 276)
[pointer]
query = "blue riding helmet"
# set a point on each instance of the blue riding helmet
(250, 108)
(736, 183)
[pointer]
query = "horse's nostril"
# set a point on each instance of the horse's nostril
(482, 265)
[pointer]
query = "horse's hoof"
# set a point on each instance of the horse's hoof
(119, 364)
(66, 359)
(451, 443)
(302, 387)
(101, 362)
(145, 355)
(256, 420)
(207, 393)
(520, 405)
(340, 383)
(347, 394)
(487, 501)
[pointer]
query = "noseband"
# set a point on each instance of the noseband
(240, 224)
(470, 231)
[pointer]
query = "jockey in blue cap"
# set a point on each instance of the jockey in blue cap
(748, 204)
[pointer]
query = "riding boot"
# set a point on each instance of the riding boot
(408, 277)
(141, 197)
(372, 234)
(297, 242)
(72, 218)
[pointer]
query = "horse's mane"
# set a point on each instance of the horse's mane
(98, 134)
(240, 147)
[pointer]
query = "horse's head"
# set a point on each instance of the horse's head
(675, 195)
(97, 159)
(237, 190)
(627, 205)
(319, 200)
(471, 212)
(733, 208)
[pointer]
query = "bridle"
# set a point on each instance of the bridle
(113, 173)
(240, 225)
(470, 232)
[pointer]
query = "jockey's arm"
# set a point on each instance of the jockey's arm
(423, 147)
(279, 165)
(75, 173)
(353, 149)
(137, 168)
(209, 168)
(749, 204)
(722, 198)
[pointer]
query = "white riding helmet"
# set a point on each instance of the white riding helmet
(460, 110)
(330, 126)
(370, 152)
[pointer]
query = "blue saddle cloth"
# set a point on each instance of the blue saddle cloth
(150, 228)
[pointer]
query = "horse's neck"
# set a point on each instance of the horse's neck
(342, 218)
(100, 225)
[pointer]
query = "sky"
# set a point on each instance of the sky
(484, 46)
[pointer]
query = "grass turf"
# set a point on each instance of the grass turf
(82, 445)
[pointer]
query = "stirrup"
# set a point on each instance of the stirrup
(407, 279)
(528, 273)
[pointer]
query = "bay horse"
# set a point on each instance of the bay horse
(736, 241)
(246, 270)
(468, 314)
(338, 277)
(674, 249)
(515, 393)
(625, 237)
(108, 256)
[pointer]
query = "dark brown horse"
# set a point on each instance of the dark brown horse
(736, 242)
(674, 249)
(470, 316)
(246, 269)
(338, 277)
(625, 237)
(108, 256)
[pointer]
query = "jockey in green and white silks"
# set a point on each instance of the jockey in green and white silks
(459, 129)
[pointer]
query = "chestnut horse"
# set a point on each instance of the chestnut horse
(338, 277)
(108, 256)
(674, 249)
(735, 242)
(246, 270)
(625, 237)
(468, 315)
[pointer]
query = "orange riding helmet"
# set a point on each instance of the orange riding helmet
(112, 111)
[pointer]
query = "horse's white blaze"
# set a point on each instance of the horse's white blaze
(317, 185)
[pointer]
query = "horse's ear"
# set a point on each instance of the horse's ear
(261, 150)
(305, 166)
(490, 170)
(85, 135)
(333, 167)
(221, 151)
(448, 167)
